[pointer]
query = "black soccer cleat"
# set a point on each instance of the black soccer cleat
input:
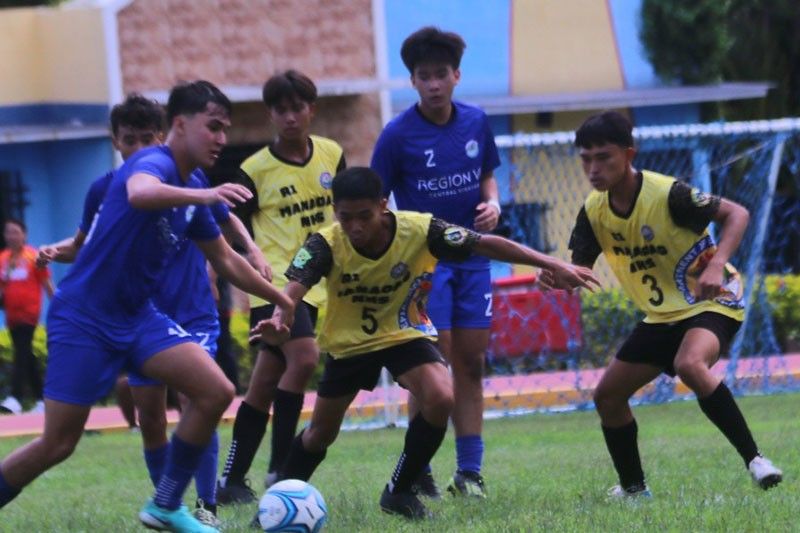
(465, 483)
(425, 485)
(404, 504)
(235, 493)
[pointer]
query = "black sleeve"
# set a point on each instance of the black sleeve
(583, 242)
(692, 208)
(342, 164)
(450, 242)
(311, 262)
(246, 210)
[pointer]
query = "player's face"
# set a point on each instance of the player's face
(206, 134)
(435, 83)
(606, 165)
(13, 235)
(361, 221)
(292, 119)
(129, 140)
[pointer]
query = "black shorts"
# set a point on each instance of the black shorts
(349, 375)
(657, 344)
(305, 320)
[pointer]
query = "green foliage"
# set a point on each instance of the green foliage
(545, 473)
(7, 353)
(686, 40)
(783, 294)
(608, 317)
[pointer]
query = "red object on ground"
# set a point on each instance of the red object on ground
(527, 321)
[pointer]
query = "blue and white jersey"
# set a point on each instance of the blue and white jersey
(127, 249)
(438, 169)
(184, 290)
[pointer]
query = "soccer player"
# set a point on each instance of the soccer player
(379, 266)
(652, 229)
(438, 157)
(186, 275)
(103, 318)
(290, 181)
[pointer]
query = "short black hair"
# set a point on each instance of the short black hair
(289, 85)
(17, 222)
(608, 127)
(357, 183)
(193, 97)
(137, 112)
(432, 45)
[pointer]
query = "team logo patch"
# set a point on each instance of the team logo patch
(412, 313)
(301, 258)
(190, 212)
(399, 270)
(455, 236)
(699, 198)
(692, 265)
(471, 148)
(325, 179)
(647, 233)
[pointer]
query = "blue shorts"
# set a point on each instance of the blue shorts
(206, 336)
(86, 353)
(460, 298)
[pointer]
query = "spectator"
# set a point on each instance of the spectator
(21, 283)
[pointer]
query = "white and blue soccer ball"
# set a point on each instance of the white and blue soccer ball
(294, 506)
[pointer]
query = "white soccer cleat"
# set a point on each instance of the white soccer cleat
(765, 474)
(641, 491)
(38, 407)
(11, 405)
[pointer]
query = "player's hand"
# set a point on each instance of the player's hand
(230, 194)
(709, 283)
(46, 256)
(270, 331)
(546, 280)
(568, 276)
(257, 261)
(487, 217)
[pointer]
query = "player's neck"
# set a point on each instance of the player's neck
(182, 160)
(438, 115)
(378, 246)
(623, 194)
(297, 151)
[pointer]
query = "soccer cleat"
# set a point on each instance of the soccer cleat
(465, 483)
(634, 491)
(11, 405)
(38, 407)
(235, 493)
(403, 503)
(206, 514)
(179, 520)
(765, 474)
(271, 479)
(425, 485)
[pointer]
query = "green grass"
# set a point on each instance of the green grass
(544, 473)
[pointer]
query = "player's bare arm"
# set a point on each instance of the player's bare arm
(275, 329)
(230, 265)
(732, 219)
(148, 192)
(63, 251)
(488, 211)
(235, 232)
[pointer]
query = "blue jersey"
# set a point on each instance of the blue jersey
(127, 249)
(94, 198)
(438, 169)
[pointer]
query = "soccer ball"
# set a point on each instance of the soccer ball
(292, 505)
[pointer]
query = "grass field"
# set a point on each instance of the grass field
(544, 473)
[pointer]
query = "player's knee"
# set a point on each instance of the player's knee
(153, 425)
(318, 438)
(606, 401)
(690, 371)
(470, 368)
(58, 450)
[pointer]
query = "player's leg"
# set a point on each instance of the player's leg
(63, 427)
(249, 427)
(302, 356)
(186, 368)
(471, 319)
(124, 397)
(150, 399)
(419, 367)
(706, 336)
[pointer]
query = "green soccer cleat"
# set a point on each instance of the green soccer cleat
(464, 483)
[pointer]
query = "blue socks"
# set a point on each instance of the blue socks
(206, 476)
(155, 460)
(7, 492)
(181, 466)
(469, 453)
